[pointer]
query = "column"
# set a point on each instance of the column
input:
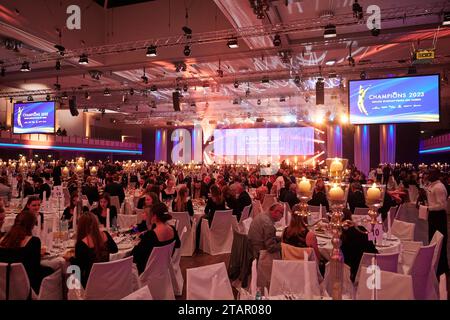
(197, 143)
(334, 141)
(387, 143)
(161, 145)
(362, 148)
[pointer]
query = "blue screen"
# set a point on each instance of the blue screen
(34, 117)
(394, 100)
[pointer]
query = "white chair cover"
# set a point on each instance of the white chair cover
(361, 211)
(208, 283)
(386, 262)
(403, 230)
(116, 203)
(175, 270)
(141, 294)
(443, 295)
(184, 221)
(256, 208)
(437, 239)
(392, 286)
(110, 280)
(413, 193)
(245, 225)
(19, 285)
(409, 250)
(294, 277)
(245, 213)
(264, 267)
(127, 220)
(269, 200)
(51, 287)
(156, 274)
(219, 238)
(422, 274)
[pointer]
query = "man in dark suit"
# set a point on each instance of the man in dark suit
(290, 196)
(356, 197)
(40, 187)
(115, 189)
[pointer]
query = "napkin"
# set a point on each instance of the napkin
(423, 212)
(254, 279)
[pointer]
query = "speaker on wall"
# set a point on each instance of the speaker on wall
(73, 106)
(176, 101)
(320, 92)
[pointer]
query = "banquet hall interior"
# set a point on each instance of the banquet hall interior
(224, 149)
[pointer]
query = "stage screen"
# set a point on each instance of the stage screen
(34, 117)
(394, 100)
(264, 141)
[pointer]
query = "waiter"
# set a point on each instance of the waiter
(437, 216)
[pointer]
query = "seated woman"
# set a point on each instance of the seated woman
(68, 212)
(148, 199)
(34, 206)
(90, 190)
(92, 246)
(354, 244)
(182, 202)
(102, 210)
(214, 203)
(297, 234)
(196, 189)
(170, 192)
(160, 235)
(319, 196)
(20, 246)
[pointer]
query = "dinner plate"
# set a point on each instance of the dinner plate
(125, 246)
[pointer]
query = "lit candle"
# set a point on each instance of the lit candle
(336, 166)
(94, 171)
(304, 186)
(79, 169)
(373, 193)
(65, 171)
(80, 162)
(336, 193)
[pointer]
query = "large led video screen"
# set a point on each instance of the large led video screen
(394, 100)
(264, 141)
(34, 117)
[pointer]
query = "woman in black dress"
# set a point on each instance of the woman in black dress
(102, 210)
(69, 211)
(182, 202)
(159, 235)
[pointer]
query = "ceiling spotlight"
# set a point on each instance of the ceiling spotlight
(297, 80)
(131, 91)
(87, 95)
(277, 40)
(153, 104)
(351, 61)
(357, 10)
(136, 108)
(265, 79)
(187, 50)
(236, 101)
(330, 62)
(118, 109)
(446, 19)
(236, 84)
(220, 73)
(83, 59)
(187, 31)
(151, 51)
(363, 75)
(61, 49)
(64, 95)
(185, 88)
(3, 71)
(144, 79)
(58, 65)
(106, 92)
(375, 32)
(258, 102)
(25, 67)
(233, 43)
(153, 88)
(30, 98)
(48, 98)
(329, 31)
(282, 99)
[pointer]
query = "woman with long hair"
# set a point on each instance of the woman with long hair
(69, 211)
(102, 210)
(159, 235)
(170, 192)
(182, 202)
(92, 245)
(20, 246)
(148, 199)
(215, 202)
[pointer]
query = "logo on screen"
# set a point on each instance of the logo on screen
(361, 97)
(19, 117)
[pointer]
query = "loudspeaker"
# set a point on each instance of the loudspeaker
(176, 101)
(73, 106)
(320, 92)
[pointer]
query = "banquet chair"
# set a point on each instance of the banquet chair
(413, 193)
(289, 252)
(437, 239)
(422, 274)
(140, 294)
(294, 277)
(188, 245)
(175, 270)
(157, 275)
(208, 283)
(409, 250)
(386, 262)
(361, 211)
(245, 213)
(403, 230)
(66, 194)
(217, 239)
(19, 284)
(240, 259)
(269, 200)
(116, 203)
(386, 286)
(52, 287)
(110, 280)
(348, 289)
(443, 294)
(256, 208)
(392, 215)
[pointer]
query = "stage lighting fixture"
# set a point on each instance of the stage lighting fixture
(185, 88)
(357, 10)
(236, 84)
(64, 95)
(153, 88)
(265, 80)
(136, 108)
(330, 62)
(187, 31)
(282, 99)
(87, 95)
(25, 67)
(144, 79)
(30, 98)
(297, 80)
(375, 32)
(106, 92)
(258, 102)
(3, 71)
(131, 91)
(118, 109)
(58, 65)
(446, 19)
(220, 73)
(236, 101)
(83, 59)
(362, 75)
(48, 98)
(277, 40)
(233, 43)
(151, 51)
(187, 50)
(351, 61)
(329, 31)
(61, 49)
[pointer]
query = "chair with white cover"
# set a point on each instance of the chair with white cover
(175, 271)
(188, 245)
(289, 252)
(219, 238)
(52, 287)
(386, 262)
(256, 208)
(403, 230)
(294, 277)
(443, 294)
(409, 250)
(245, 213)
(66, 194)
(361, 211)
(110, 280)
(413, 193)
(115, 203)
(157, 275)
(140, 294)
(208, 283)
(437, 239)
(269, 200)
(347, 284)
(422, 273)
(384, 286)
(19, 284)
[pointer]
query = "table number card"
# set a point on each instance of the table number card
(58, 191)
(377, 233)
